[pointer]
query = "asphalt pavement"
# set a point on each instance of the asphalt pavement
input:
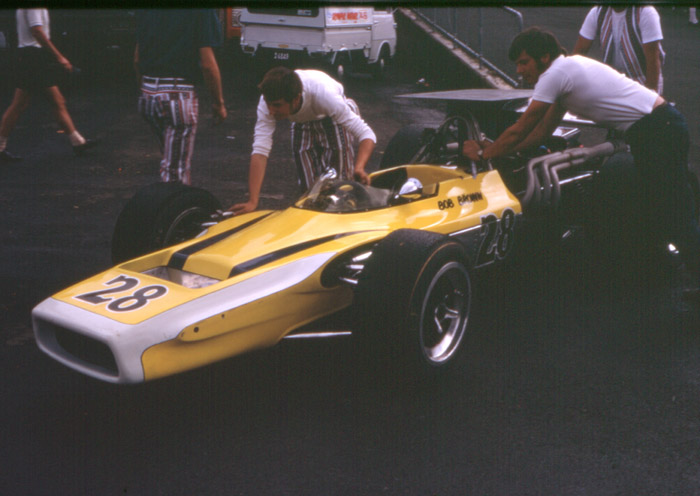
(579, 377)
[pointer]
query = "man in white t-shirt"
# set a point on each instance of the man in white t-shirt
(656, 131)
(325, 123)
(37, 71)
(630, 38)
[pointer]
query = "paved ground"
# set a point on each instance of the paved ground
(579, 377)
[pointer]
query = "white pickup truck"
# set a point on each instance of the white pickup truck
(345, 39)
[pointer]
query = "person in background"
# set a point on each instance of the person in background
(630, 38)
(174, 47)
(656, 132)
(325, 123)
(39, 66)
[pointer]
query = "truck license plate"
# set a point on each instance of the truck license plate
(280, 56)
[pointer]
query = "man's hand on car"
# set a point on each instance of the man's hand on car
(361, 176)
(243, 208)
(470, 149)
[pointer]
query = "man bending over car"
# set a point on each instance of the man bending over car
(324, 125)
(656, 132)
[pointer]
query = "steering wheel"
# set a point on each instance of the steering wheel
(447, 142)
(437, 145)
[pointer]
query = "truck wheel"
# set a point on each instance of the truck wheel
(413, 300)
(160, 215)
(379, 67)
(341, 66)
(404, 146)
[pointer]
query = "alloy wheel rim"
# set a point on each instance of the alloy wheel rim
(185, 226)
(445, 313)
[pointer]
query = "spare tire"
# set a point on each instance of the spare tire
(160, 215)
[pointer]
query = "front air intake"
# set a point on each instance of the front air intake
(77, 348)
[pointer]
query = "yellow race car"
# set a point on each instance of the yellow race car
(401, 254)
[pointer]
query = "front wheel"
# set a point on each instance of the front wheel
(442, 311)
(160, 215)
(414, 301)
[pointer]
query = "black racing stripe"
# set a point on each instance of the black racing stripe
(284, 252)
(177, 261)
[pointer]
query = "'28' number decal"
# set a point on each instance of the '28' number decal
(497, 237)
(128, 303)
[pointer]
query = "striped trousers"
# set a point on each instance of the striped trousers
(171, 109)
(321, 145)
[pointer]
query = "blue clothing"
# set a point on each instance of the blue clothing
(169, 41)
(659, 143)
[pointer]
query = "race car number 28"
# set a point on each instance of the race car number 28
(126, 303)
(497, 237)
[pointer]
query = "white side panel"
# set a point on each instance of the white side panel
(128, 342)
(349, 38)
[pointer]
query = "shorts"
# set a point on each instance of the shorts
(35, 69)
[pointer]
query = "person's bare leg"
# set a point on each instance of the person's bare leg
(79, 143)
(19, 104)
(60, 110)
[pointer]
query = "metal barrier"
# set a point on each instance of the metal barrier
(480, 31)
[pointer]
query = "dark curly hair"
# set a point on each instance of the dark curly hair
(536, 42)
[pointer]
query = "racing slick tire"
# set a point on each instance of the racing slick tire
(403, 146)
(413, 302)
(160, 215)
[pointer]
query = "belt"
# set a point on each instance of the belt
(660, 102)
(166, 80)
(658, 107)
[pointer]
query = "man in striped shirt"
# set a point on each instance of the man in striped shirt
(325, 125)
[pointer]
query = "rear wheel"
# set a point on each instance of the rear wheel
(341, 66)
(414, 301)
(404, 146)
(160, 215)
(418, 144)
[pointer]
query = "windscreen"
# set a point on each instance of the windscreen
(342, 196)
